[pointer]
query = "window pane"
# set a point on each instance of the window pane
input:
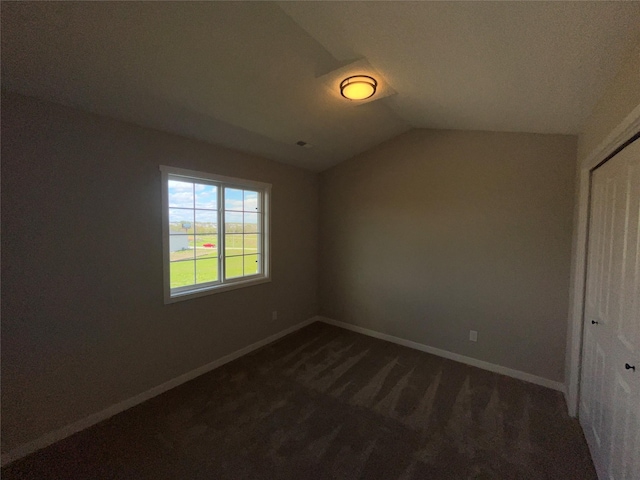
(182, 274)
(180, 248)
(250, 201)
(250, 223)
(206, 270)
(206, 196)
(206, 246)
(180, 194)
(251, 264)
(251, 244)
(233, 267)
(233, 199)
(233, 244)
(233, 222)
(180, 220)
(206, 221)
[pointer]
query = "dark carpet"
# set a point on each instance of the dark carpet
(326, 403)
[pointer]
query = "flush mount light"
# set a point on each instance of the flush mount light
(358, 87)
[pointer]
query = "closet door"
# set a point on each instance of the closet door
(610, 388)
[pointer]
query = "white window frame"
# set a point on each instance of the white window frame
(222, 284)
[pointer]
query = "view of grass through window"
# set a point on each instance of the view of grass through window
(214, 232)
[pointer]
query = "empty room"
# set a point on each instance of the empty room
(320, 240)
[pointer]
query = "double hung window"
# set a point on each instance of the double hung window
(215, 233)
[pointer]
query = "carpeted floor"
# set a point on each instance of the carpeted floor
(326, 403)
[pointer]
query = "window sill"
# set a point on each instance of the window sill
(179, 297)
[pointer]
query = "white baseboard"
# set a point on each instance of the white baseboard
(56, 435)
(527, 377)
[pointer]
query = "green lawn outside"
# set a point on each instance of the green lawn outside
(205, 268)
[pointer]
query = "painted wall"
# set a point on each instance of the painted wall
(435, 233)
(620, 98)
(83, 320)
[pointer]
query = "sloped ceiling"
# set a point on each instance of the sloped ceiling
(252, 75)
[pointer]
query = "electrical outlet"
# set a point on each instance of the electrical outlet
(473, 336)
(274, 315)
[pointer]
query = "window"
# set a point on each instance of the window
(215, 233)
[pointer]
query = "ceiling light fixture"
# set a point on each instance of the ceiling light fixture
(358, 87)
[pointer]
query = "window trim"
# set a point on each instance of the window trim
(221, 285)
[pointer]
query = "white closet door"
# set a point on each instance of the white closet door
(610, 388)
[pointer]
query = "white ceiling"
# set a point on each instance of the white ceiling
(257, 76)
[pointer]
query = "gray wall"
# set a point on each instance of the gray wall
(83, 320)
(435, 233)
(620, 98)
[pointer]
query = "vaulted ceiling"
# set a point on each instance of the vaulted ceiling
(260, 76)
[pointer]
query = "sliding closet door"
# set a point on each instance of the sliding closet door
(610, 388)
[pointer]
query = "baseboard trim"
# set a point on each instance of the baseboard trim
(75, 427)
(527, 377)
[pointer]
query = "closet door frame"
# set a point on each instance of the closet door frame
(619, 137)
